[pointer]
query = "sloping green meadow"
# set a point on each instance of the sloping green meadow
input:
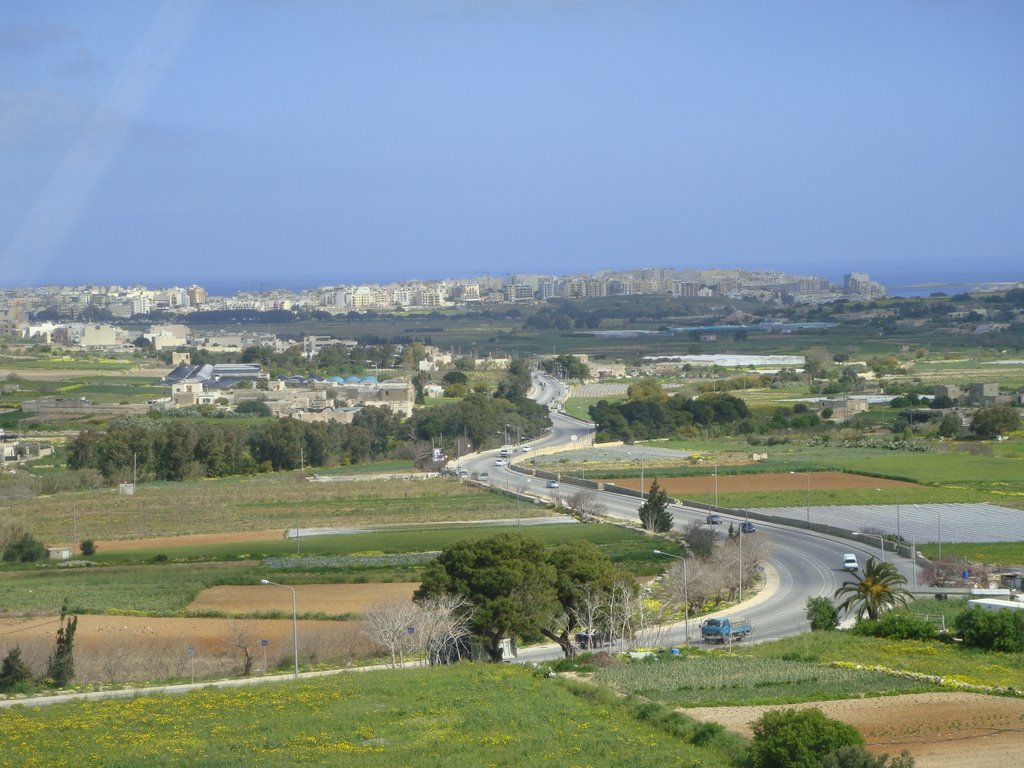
(472, 715)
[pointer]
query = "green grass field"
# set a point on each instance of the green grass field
(964, 472)
(712, 679)
(975, 667)
(414, 718)
(995, 553)
(156, 590)
(259, 502)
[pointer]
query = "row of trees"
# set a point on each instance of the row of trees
(179, 449)
(646, 416)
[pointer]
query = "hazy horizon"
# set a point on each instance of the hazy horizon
(351, 142)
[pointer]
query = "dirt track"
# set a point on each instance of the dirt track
(966, 730)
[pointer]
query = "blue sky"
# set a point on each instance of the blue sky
(320, 142)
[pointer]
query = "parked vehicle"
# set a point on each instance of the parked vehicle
(714, 519)
(747, 527)
(592, 639)
(850, 562)
(725, 630)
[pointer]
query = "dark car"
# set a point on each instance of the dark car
(592, 639)
(747, 527)
(714, 519)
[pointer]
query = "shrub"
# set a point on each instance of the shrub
(24, 550)
(253, 408)
(858, 757)
(822, 614)
(14, 674)
(798, 738)
(88, 547)
(992, 630)
(898, 625)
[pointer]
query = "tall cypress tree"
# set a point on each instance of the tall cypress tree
(654, 514)
(61, 666)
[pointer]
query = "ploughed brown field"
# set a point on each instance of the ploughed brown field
(119, 648)
(781, 481)
(941, 730)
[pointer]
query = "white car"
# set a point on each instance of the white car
(850, 562)
(524, 448)
(499, 462)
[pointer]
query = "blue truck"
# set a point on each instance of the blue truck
(725, 630)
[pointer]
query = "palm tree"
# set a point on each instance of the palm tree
(878, 590)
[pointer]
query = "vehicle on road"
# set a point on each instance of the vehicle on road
(714, 519)
(552, 483)
(592, 639)
(500, 462)
(725, 630)
(850, 562)
(747, 527)
(524, 448)
(506, 450)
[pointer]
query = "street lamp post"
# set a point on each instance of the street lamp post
(807, 495)
(295, 620)
(641, 457)
(716, 485)
(741, 563)
(881, 541)
(686, 596)
(899, 538)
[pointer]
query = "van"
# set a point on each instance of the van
(850, 562)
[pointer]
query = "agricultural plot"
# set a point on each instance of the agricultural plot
(967, 730)
(256, 504)
(462, 716)
(710, 678)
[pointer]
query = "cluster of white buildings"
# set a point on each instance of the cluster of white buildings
(132, 301)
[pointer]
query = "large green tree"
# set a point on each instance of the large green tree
(508, 580)
(654, 513)
(582, 571)
(878, 589)
(996, 420)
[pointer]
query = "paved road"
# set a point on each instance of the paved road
(803, 564)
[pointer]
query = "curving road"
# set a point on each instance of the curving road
(803, 564)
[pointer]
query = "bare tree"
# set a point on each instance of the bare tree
(391, 623)
(700, 538)
(242, 638)
(442, 623)
(586, 504)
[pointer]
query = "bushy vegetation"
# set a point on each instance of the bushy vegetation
(649, 413)
(992, 630)
(822, 614)
(24, 550)
(898, 625)
(798, 738)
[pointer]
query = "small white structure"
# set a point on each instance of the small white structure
(58, 553)
(992, 604)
